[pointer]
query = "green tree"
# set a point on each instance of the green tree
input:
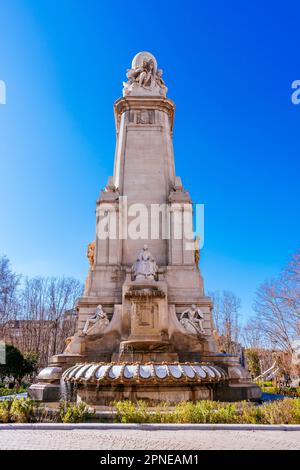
(16, 365)
(253, 362)
(30, 363)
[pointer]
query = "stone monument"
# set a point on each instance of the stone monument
(144, 328)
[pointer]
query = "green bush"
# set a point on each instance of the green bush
(4, 411)
(266, 383)
(11, 391)
(73, 412)
(204, 411)
(22, 410)
(18, 410)
(287, 391)
(285, 411)
(252, 356)
(249, 413)
(128, 412)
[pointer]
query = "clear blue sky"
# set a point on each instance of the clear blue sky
(228, 65)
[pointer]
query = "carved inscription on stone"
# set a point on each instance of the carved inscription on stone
(144, 318)
(145, 117)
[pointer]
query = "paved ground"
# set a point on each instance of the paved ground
(147, 440)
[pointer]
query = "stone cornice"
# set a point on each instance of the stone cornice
(144, 102)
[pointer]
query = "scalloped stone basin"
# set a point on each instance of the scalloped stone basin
(94, 373)
(154, 382)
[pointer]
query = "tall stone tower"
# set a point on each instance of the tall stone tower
(145, 327)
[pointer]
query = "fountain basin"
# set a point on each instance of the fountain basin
(103, 383)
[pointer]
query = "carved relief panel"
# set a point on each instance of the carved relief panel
(144, 318)
(143, 117)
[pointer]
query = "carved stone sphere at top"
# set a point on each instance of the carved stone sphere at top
(144, 78)
(140, 57)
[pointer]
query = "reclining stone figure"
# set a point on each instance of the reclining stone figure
(98, 317)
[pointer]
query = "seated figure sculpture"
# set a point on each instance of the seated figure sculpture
(193, 317)
(98, 317)
(144, 75)
(145, 266)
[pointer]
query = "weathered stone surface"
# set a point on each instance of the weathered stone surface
(45, 392)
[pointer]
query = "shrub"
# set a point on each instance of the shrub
(249, 413)
(185, 412)
(161, 414)
(4, 411)
(266, 383)
(73, 412)
(44, 415)
(128, 412)
(253, 362)
(287, 391)
(285, 411)
(205, 411)
(4, 391)
(225, 414)
(22, 410)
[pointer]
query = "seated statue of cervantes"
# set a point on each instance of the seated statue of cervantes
(145, 266)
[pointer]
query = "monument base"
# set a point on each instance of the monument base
(152, 395)
(237, 392)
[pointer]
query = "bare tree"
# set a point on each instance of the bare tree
(274, 316)
(46, 316)
(62, 293)
(217, 313)
(277, 321)
(9, 283)
(252, 335)
(290, 289)
(226, 320)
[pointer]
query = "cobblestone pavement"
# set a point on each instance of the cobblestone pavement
(148, 440)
